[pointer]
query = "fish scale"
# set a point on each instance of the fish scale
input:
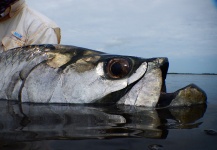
(69, 74)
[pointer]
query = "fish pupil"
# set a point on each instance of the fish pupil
(119, 69)
(116, 69)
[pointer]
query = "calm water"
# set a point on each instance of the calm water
(48, 127)
(207, 82)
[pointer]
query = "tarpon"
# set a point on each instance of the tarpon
(75, 75)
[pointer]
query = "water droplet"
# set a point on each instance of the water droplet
(210, 132)
(155, 147)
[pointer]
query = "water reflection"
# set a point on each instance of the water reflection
(24, 122)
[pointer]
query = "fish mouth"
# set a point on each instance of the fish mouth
(150, 90)
(186, 96)
(164, 69)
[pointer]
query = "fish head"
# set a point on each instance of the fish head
(100, 78)
(83, 76)
(144, 79)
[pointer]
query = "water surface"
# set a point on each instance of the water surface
(37, 126)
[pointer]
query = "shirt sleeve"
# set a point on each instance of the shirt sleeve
(45, 35)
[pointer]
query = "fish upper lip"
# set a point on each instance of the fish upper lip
(164, 66)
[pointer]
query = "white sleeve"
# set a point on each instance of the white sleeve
(45, 35)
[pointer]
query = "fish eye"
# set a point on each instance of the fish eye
(117, 68)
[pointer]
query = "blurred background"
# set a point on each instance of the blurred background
(185, 31)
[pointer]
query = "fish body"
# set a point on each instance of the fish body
(69, 74)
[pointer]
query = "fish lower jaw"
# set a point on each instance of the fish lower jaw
(186, 96)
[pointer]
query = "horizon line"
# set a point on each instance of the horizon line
(193, 73)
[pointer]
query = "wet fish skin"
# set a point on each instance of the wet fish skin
(70, 74)
(17, 65)
(62, 74)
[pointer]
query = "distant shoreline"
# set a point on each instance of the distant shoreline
(193, 73)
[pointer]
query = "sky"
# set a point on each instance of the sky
(185, 31)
